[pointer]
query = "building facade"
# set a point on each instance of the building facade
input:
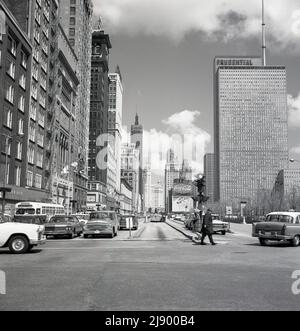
(76, 19)
(251, 130)
(137, 136)
(115, 123)
(172, 172)
(64, 145)
(209, 173)
(130, 171)
(126, 198)
(15, 73)
(99, 105)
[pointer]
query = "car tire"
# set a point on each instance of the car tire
(263, 242)
(18, 245)
(295, 242)
(30, 248)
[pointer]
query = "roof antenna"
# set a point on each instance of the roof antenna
(263, 34)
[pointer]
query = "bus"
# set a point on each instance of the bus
(39, 208)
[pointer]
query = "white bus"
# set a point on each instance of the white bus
(39, 208)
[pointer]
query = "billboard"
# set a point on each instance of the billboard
(182, 204)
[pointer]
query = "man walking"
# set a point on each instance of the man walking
(207, 228)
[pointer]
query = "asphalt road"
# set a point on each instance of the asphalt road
(158, 268)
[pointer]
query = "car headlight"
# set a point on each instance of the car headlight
(68, 228)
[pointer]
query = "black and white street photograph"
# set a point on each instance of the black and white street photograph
(149, 158)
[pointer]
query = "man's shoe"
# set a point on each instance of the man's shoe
(202, 243)
(214, 244)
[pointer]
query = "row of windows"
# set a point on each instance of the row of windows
(17, 175)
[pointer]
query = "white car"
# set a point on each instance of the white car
(220, 226)
(20, 238)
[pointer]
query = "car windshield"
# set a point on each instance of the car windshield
(61, 219)
(23, 211)
(101, 216)
(279, 218)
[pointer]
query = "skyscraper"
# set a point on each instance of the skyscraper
(76, 19)
(99, 104)
(251, 131)
(115, 110)
(209, 173)
(137, 134)
(171, 173)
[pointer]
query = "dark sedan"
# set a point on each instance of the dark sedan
(63, 226)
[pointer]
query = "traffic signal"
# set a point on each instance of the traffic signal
(200, 183)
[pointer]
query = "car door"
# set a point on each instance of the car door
(4, 235)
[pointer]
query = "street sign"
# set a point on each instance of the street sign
(228, 210)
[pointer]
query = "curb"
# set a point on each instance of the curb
(189, 236)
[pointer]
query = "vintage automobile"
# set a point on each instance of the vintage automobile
(101, 223)
(20, 238)
(278, 226)
(128, 222)
(30, 219)
(63, 226)
(219, 226)
(156, 218)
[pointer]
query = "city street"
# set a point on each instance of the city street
(157, 269)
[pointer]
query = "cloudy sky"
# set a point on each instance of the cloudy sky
(165, 49)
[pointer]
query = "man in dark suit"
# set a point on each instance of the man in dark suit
(207, 228)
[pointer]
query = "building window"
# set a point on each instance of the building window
(24, 59)
(21, 127)
(73, 11)
(32, 111)
(21, 104)
(32, 132)
(7, 174)
(73, 2)
(29, 178)
(38, 181)
(19, 151)
(18, 176)
(72, 21)
(72, 42)
(22, 81)
(41, 119)
(39, 160)
(30, 155)
(11, 69)
(10, 94)
(72, 32)
(8, 118)
(12, 46)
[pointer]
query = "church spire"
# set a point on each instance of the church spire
(136, 119)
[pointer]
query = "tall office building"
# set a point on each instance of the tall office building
(39, 20)
(99, 105)
(15, 74)
(115, 110)
(137, 134)
(209, 173)
(130, 171)
(172, 172)
(76, 20)
(251, 130)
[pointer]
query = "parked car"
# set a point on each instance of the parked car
(20, 238)
(219, 226)
(30, 219)
(102, 223)
(156, 218)
(278, 226)
(63, 226)
(128, 222)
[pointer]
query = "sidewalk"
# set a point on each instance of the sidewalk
(241, 230)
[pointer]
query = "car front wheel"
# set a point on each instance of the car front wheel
(295, 241)
(18, 245)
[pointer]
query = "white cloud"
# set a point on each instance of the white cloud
(294, 111)
(224, 19)
(183, 135)
(295, 150)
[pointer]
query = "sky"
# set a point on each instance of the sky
(165, 50)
